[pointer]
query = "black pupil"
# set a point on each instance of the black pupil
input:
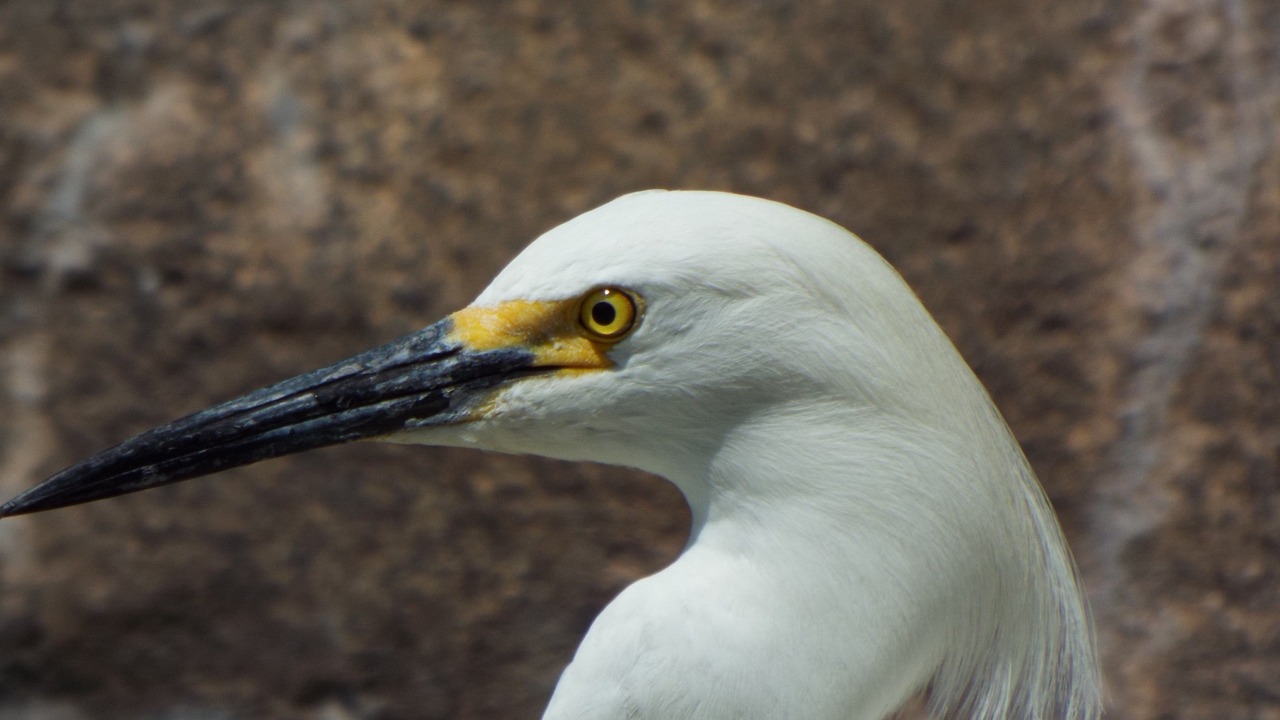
(603, 313)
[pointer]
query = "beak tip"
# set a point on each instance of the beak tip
(33, 500)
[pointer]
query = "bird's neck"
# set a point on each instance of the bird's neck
(825, 519)
(914, 555)
(815, 472)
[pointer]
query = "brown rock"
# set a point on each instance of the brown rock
(199, 198)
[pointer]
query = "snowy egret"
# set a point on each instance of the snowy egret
(865, 526)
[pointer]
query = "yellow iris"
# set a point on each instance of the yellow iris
(608, 314)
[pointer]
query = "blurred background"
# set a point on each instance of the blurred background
(198, 198)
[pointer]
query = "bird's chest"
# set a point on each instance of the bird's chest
(704, 643)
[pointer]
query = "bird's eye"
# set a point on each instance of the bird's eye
(608, 314)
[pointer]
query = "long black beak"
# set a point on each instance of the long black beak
(421, 380)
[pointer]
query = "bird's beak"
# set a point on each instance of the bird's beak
(441, 375)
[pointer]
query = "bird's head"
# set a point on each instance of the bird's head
(635, 334)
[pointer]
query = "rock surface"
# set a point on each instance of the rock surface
(197, 198)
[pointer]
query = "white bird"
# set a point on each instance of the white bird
(865, 526)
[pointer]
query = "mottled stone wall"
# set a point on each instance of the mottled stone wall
(197, 198)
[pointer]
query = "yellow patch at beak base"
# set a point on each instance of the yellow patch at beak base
(548, 329)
